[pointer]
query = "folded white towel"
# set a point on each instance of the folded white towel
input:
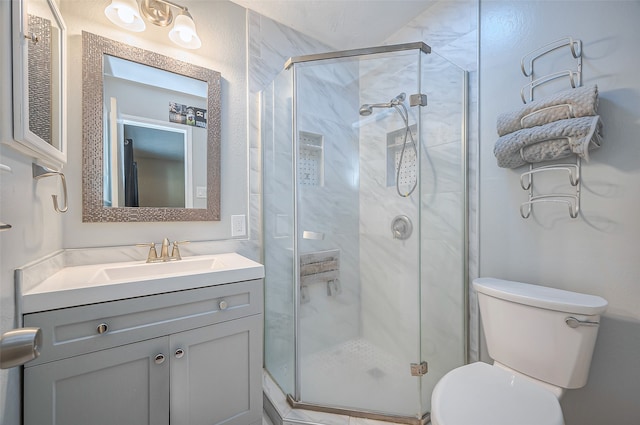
(547, 142)
(572, 103)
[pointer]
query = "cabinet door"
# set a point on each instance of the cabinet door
(126, 385)
(216, 374)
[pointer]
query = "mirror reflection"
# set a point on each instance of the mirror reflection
(155, 148)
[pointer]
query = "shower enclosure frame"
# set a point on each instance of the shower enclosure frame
(294, 400)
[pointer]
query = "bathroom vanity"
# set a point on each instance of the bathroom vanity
(188, 352)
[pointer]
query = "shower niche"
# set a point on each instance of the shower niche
(345, 152)
(402, 163)
(310, 159)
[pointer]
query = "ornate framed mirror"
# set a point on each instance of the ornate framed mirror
(151, 130)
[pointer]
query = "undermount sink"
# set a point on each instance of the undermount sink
(191, 265)
(93, 283)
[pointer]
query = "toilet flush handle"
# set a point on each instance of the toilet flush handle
(572, 322)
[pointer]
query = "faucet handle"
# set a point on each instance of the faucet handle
(175, 252)
(153, 254)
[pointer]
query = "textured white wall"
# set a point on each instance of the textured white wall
(596, 253)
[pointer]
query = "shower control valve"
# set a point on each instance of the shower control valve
(401, 227)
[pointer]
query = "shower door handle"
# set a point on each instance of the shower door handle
(312, 235)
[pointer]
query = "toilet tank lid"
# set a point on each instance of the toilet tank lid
(541, 296)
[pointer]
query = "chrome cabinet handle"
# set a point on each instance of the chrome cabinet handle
(223, 305)
(102, 328)
(179, 353)
(159, 359)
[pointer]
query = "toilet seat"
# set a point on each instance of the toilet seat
(481, 394)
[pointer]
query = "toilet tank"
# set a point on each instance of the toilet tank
(526, 329)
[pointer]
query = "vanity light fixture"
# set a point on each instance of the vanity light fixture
(127, 14)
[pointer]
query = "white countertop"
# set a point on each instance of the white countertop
(88, 284)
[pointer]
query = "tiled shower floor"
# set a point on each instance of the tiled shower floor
(358, 374)
(354, 374)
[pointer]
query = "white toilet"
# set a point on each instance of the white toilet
(541, 340)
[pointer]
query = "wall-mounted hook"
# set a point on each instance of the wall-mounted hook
(39, 172)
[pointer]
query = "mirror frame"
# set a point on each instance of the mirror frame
(27, 141)
(94, 48)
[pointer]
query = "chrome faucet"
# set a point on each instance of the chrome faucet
(153, 257)
(164, 251)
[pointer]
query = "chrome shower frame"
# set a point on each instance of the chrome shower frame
(358, 52)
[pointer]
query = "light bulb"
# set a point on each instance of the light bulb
(184, 32)
(125, 14)
(185, 36)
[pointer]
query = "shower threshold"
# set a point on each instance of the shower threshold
(409, 420)
(283, 409)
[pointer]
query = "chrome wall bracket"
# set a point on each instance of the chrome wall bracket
(419, 369)
(40, 172)
(418, 99)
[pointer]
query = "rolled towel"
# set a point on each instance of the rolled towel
(547, 142)
(572, 103)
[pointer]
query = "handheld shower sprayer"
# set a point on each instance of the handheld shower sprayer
(397, 104)
(367, 109)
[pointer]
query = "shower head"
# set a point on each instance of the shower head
(367, 109)
(398, 99)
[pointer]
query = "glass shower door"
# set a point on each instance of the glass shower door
(359, 321)
(278, 231)
(443, 221)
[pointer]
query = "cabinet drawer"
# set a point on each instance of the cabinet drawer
(79, 330)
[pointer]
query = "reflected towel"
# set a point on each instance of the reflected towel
(573, 103)
(547, 142)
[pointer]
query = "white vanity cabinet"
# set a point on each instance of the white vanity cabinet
(185, 357)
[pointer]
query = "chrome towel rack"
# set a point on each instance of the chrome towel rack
(40, 172)
(574, 78)
(571, 200)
